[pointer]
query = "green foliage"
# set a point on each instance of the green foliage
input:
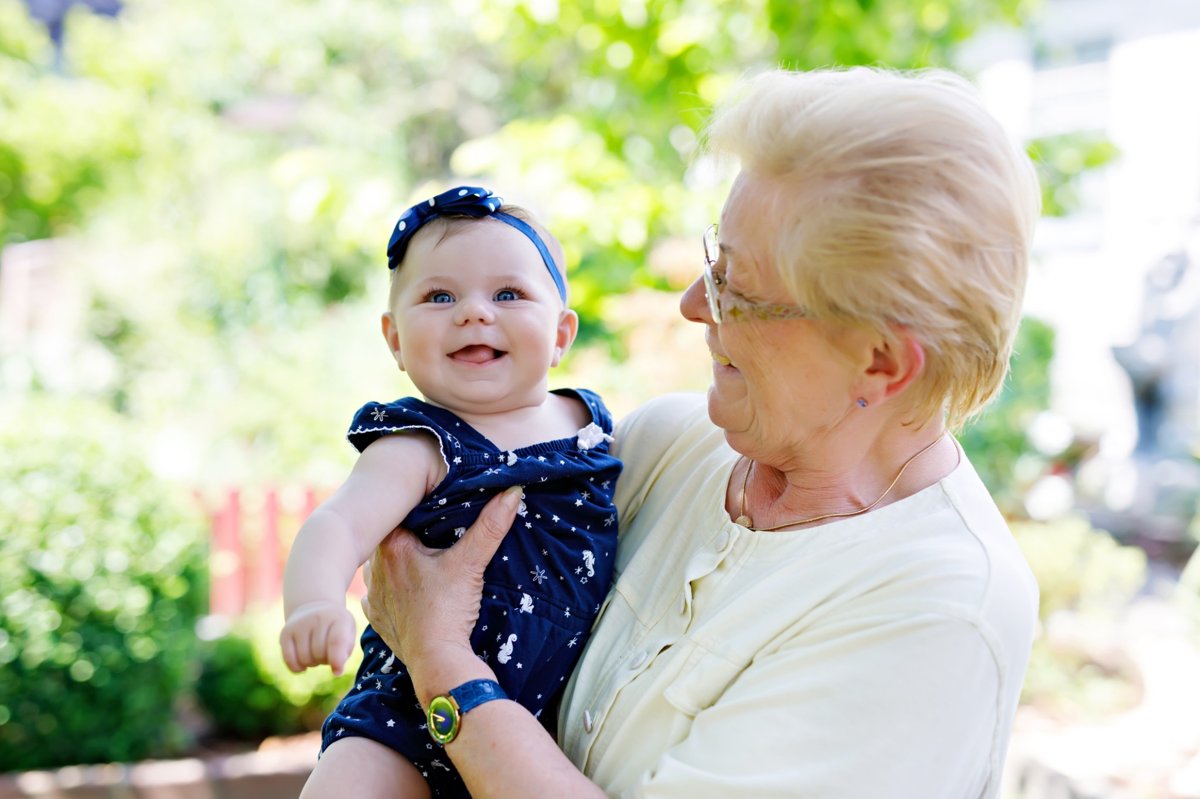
(1082, 572)
(104, 577)
(1079, 568)
(247, 692)
(996, 440)
(240, 167)
(1062, 162)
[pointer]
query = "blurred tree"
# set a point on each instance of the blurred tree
(1062, 162)
(232, 169)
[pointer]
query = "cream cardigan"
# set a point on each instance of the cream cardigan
(875, 656)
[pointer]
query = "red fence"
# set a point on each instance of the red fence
(252, 531)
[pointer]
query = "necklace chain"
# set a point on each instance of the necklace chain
(745, 521)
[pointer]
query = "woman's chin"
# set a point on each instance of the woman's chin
(721, 410)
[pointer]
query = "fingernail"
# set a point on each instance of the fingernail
(512, 495)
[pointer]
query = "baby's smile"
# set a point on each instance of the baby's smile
(478, 354)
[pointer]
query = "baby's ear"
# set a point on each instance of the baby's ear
(391, 334)
(568, 326)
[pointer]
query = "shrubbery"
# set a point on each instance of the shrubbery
(247, 692)
(103, 575)
(1087, 577)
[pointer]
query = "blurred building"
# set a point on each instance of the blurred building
(51, 13)
(1119, 277)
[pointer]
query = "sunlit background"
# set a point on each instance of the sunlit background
(194, 203)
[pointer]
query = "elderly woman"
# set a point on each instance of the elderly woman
(816, 595)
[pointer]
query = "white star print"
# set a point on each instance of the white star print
(380, 414)
(539, 574)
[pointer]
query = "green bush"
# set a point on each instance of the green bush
(103, 575)
(1085, 578)
(996, 441)
(247, 692)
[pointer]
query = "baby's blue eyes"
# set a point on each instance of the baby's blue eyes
(503, 295)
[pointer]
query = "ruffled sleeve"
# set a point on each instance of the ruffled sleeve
(377, 419)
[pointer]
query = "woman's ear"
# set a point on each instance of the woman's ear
(895, 363)
(568, 327)
(391, 334)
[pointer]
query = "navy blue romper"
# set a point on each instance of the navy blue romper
(542, 590)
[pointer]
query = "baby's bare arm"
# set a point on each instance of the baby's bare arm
(391, 476)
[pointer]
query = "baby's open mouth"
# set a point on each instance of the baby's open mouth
(477, 353)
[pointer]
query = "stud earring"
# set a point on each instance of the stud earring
(862, 403)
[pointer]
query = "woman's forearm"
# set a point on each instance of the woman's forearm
(424, 604)
(501, 750)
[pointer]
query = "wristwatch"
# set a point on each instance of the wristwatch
(446, 710)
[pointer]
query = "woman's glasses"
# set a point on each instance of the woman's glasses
(726, 304)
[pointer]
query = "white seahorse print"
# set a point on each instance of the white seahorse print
(589, 561)
(526, 604)
(506, 649)
(386, 668)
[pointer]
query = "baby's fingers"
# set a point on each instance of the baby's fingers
(339, 644)
(297, 649)
(288, 645)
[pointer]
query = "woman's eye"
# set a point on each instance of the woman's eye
(507, 295)
(718, 279)
(439, 296)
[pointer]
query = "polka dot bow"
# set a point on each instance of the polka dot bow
(468, 201)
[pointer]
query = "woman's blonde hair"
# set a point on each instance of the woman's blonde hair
(913, 213)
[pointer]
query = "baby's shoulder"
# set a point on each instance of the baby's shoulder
(407, 414)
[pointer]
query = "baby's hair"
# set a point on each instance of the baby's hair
(448, 225)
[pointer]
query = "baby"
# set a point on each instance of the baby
(477, 315)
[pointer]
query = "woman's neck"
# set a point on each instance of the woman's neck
(842, 485)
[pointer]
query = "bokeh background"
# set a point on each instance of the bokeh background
(194, 203)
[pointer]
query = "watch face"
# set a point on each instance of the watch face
(443, 719)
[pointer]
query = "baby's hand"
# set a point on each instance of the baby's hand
(316, 633)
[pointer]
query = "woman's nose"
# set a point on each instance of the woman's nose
(694, 305)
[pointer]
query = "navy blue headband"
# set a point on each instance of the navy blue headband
(468, 201)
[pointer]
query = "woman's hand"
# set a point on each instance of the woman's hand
(424, 602)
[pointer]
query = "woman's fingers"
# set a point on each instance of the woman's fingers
(479, 544)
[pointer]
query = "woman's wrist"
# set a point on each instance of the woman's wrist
(437, 671)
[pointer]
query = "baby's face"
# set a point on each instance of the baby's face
(476, 320)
